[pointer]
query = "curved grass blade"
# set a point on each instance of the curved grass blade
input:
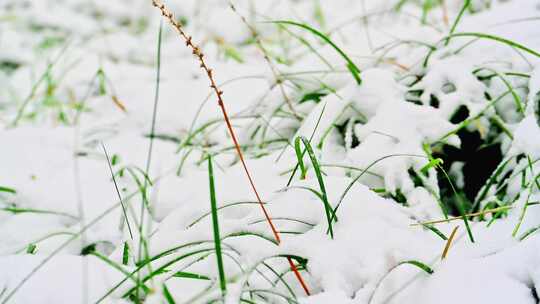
(435, 230)
(355, 71)
(498, 39)
(418, 264)
(515, 96)
(456, 22)
(366, 170)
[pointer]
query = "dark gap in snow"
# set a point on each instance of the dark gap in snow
(461, 114)
(417, 180)
(480, 159)
(400, 197)
(413, 96)
(342, 129)
(535, 294)
(434, 101)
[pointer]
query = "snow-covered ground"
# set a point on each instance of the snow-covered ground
(442, 122)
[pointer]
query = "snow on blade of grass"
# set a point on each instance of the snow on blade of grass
(440, 130)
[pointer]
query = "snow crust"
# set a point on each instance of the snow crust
(386, 124)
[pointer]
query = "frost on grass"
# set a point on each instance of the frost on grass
(441, 132)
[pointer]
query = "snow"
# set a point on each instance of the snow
(378, 134)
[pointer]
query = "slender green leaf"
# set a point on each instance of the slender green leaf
(117, 191)
(327, 207)
(418, 264)
(498, 39)
(8, 190)
(355, 71)
(167, 295)
(215, 227)
(190, 275)
(435, 230)
(125, 254)
(456, 22)
(300, 157)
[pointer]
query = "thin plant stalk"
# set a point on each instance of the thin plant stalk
(209, 73)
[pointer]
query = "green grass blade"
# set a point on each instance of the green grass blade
(16, 210)
(300, 157)
(463, 214)
(117, 190)
(498, 39)
(528, 233)
(190, 275)
(515, 96)
(418, 264)
(458, 203)
(355, 71)
(310, 139)
(456, 22)
(435, 230)
(483, 36)
(492, 179)
(317, 193)
(327, 208)
(351, 184)
(7, 190)
(125, 254)
(215, 227)
(433, 163)
(167, 295)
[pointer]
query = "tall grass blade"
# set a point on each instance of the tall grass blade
(304, 151)
(327, 207)
(215, 228)
(456, 22)
(144, 202)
